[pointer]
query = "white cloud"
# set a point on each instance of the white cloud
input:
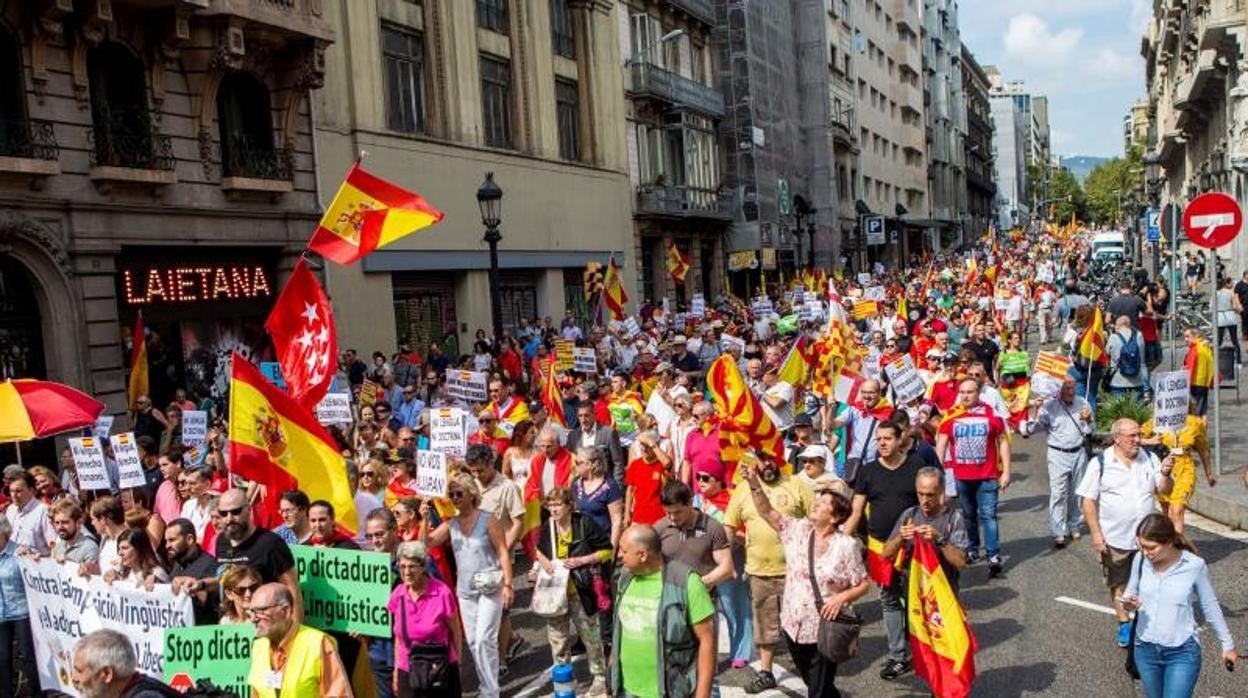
(1109, 64)
(1029, 43)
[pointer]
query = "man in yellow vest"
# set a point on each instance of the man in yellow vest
(288, 659)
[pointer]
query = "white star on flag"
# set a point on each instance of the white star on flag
(309, 312)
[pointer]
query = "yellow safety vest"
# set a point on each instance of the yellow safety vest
(301, 677)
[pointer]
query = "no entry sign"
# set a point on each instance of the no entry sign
(1212, 220)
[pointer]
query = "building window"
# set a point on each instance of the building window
(245, 121)
(567, 113)
(496, 101)
(123, 133)
(561, 36)
(13, 125)
(403, 61)
(492, 15)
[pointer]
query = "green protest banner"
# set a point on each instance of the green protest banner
(219, 653)
(344, 590)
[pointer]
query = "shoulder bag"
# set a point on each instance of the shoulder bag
(428, 664)
(550, 591)
(1129, 664)
(838, 638)
(854, 465)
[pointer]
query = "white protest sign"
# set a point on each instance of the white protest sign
(762, 307)
(697, 307)
(103, 425)
(811, 297)
(129, 465)
(584, 360)
(431, 474)
(65, 607)
(89, 462)
(804, 312)
(334, 408)
(448, 432)
(728, 341)
(905, 380)
(631, 326)
(873, 293)
(194, 427)
(864, 279)
(466, 385)
(1172, 393)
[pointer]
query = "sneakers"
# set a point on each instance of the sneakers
(739, 664)
(995, 565)
(1124, 633)
(1059, 542)
(763, 681)
(1075, 535)
(972, 558)
(895, 669)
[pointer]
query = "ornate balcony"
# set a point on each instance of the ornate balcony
(683, 202)
(257, 169)
(652, 81)
(28, 147)
(125, 146)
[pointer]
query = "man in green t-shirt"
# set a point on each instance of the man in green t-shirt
(639, 645)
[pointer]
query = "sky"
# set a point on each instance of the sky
(1083, 54)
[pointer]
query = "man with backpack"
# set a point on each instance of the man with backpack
(1128, 372)
(1127, 303)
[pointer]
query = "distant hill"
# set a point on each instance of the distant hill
(1082, 165)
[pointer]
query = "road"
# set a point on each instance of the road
(1030, 642)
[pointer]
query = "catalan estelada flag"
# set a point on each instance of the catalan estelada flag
(277, 443)
(613, 295)
(138, 365)
(1092, 341)
(368, 212)
(677, 262)
(742, 422)
(940, 636)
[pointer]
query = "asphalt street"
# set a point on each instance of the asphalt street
(1043, 628)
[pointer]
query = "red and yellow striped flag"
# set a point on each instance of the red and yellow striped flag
(138, 365)
(368, 212)
(613, 295)
(277, 443)
(677, 262)
(940, 636)
(550, 394)
(880, 569)
(1092, 342)
(743, 423)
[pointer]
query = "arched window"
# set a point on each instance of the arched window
(245, 120)
(14, 138)
(123, 134)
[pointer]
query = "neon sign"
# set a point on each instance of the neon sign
(190, 284)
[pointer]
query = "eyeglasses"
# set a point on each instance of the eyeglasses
(261, 610)
(368, 473)
(245, 589)
(703, 477)
(226, 513)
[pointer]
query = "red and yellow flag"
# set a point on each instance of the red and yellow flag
(742, 422)
(613, 295)
(277, 443)
(138, 365)
(551, 397)
(795, 369)
(677, 262)
(368, 212)
(880, 569)
(1092, 342)
(1199, 364)
(940, 636)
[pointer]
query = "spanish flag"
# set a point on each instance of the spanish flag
(138, 365)
(880, 569)
(368, 212)
(940, 636)
(1092, 342)
(677, 262)
(613, 295)
(742, 422)
(277, 443)
(1199, 364)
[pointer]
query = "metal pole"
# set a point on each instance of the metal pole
(492, 237)
(1217, 373)
(1174, 277)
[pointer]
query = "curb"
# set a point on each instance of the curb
(1224, 511)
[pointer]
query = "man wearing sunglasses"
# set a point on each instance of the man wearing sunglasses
(242, 543)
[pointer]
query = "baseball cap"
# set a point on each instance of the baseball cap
(815, 451)
(803, 420)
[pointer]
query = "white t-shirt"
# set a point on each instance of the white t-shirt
(1124, 494)
(781, 416)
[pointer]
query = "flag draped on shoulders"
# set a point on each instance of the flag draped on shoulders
(1092, 341)
(742, 422)
(138, 365)
(277, 443)
(1199, 364)
(368, 212)
(940, 636)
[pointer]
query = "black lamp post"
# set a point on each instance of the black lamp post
(810, 253)
(490, 198)
(1153, 183)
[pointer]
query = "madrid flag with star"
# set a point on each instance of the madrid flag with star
(302, 328)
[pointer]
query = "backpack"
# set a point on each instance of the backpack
(1129, 358)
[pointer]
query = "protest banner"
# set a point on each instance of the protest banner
(563, 354)
(368, 393)
(1172, 392)
(344, 590)
(334, 408)
(66, 606)
(905, 380)
(1051, 369)
(631, 326)
(103, 426)
(89, 462)
(584, 360)
(448, 431)
(761, 307)
(218, 653)
(466, 385)
(194, 427)
(864, 279)
(129, 465)
(873, 293)
(697, 307)
(431, 474)
(745, 259)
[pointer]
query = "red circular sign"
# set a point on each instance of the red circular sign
(1212, 220)
(181, 682)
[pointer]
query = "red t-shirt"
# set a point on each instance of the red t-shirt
(973, 443)
(1148, 328)
(945, 394)
(646, 478)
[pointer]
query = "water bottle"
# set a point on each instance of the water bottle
(565, 683)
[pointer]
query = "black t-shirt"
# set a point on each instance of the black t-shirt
(889, 493)
(1127, 304)
(985, 352)
(1241, 290)
(201, 566)
(264, 550)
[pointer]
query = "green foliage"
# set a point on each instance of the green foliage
(1109, 185)
(1066, 196)
(1110, 408)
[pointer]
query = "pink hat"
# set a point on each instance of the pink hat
(715, 468)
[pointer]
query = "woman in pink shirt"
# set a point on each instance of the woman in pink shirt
(702, 444)
(425, 615)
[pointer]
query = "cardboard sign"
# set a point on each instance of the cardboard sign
(334, 408)
(368, 393)
(563, 354)
(762, 307)
(103, 426)
(448, 432)
(873, 293)
(466, 385)
(219, 653)
(584, 360)
(864, 279)
(905, 380)
(344, 590)
(631, 326)
(431, 474)
(194, 427)
(129, 465)
(89, 462)
(697, 307)
(1172, 393)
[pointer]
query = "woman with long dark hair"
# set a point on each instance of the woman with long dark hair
(1164, 580)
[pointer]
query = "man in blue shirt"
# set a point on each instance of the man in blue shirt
(408, 412)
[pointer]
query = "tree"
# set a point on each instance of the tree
(1109, 185)
(1066, 196)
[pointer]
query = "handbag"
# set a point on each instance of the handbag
(602, 589)
(429, 664)
(1129, 665)
(853, 465)
(550, 591)
(487, 582)
(838, 638)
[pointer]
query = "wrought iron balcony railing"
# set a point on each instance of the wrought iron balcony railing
(28, 138)
(243, 159)
(683, 202)
(128, 138)
(650, 79)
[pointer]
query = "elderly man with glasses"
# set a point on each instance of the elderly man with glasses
(288, 658)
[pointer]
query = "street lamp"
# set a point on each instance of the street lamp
(1152, 186)
(490, 199)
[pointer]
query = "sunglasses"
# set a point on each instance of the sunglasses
(226, 513)
(455, 494)
(368, 473)
(703, 477)
(245, 589)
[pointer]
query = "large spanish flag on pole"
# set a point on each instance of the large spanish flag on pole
(277, 443)
(613, 295)
(1092, 341)
(368, 212)
(940, 636)
(138, 365)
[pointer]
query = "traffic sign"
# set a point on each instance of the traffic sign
(1212, 220)
(1153, 218)
(875, 230)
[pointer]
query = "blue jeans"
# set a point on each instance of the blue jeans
(381, 661)
(734, 598)
(979, 507)
(1082, 383)
(1168, 672)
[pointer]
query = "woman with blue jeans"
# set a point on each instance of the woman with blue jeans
(1163, 581)
(17, 647)
(733, 595)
